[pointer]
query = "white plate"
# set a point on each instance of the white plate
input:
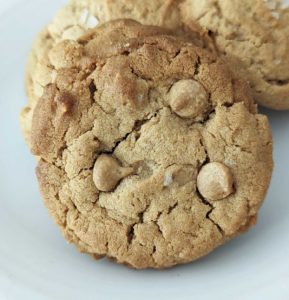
(36, 262)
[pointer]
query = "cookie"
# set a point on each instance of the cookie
(254, 37)
(151, 151)
(74, 19)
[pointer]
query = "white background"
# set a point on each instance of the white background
(35, 261)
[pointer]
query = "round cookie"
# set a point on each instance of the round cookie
(254, 37)
(74, 19)
(132, 126)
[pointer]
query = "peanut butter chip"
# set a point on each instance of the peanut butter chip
(188, 98)
(107, 173)
(215, 181)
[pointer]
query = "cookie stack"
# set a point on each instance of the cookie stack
(142, 117)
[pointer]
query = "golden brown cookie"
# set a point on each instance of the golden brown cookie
(254, 37)
(151, 152)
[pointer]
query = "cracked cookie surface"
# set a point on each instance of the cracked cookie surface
(123, 131)
(254, 37)
(76, 17)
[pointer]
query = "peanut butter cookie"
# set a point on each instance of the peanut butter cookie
(254, 37)
(151, 152)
